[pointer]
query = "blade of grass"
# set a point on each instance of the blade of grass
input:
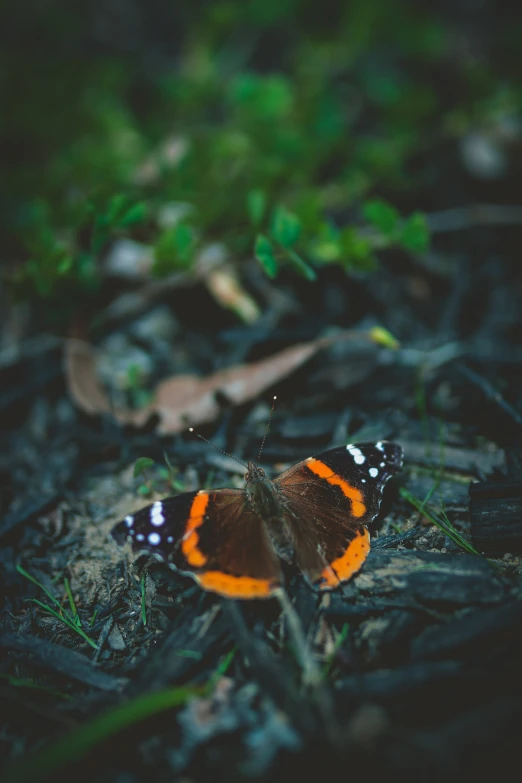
(66, 620)
(194, 655)
(443, 524)
(32, 579)
(20, 682)
(72, 605)
(431, 492)
(223, 667)
(143, 604)
(422, 408)
(61, 614)
(76, 744)
(338, 644)
(174, 483)
(92, 733)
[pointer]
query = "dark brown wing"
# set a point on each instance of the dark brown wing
(330, 500)
(212, 536)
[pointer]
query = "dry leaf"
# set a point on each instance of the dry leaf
(225, 287)
(85, 387)
(188, 400)
(82, 380)
(185, 400)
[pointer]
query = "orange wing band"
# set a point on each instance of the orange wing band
(323, 471)
(190, 542)
(236, 586)
(346, 565)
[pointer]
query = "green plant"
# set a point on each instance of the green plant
(439, 519)
(352, 247)
(115, 720)
(71, 620)
(140, 468)
(279, 159)
(167, 481)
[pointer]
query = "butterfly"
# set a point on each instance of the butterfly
(314, 515)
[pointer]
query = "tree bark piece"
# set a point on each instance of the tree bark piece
(495, 509)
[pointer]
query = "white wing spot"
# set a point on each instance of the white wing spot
(140, 537)
(382, 465)
(154, 538)
(379, 446)
(373, 472)
(170, 540)
(156, 514)
(358, 456)
(363, 481)
(129, 521)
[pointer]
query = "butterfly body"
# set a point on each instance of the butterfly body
(262, 495)
(314, 515)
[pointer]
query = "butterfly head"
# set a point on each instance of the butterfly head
(254, 473)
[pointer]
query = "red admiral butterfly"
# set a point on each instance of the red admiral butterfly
(315, 514)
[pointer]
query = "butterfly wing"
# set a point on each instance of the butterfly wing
(330, 499)
(212, 536)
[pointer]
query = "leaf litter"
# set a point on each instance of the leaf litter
(183, 400)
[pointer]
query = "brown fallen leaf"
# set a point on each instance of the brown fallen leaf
(227, 290)
(85, 388)
(188, 400)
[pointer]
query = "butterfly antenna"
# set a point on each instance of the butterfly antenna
(191, 429)
(267, 428)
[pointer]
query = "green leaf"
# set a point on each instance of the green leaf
(326, 251)
(357, 249)
(264, 252)
(119, 213)
(286, 227)
(116, 206)
(256, 205)
(381, 215)
(382, 336)
(326, 248)
(142, 464)
(100, 233)
(415, 235)
(304, 269)
(64, 265)
(174, 249)
(266, 98)
(137, 213)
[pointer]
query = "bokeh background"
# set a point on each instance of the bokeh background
(179, 125)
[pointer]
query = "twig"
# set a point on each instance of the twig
(491, 393)
(462, 218)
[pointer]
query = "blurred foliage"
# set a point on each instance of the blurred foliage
(283, 130)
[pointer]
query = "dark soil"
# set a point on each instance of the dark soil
(420, 651)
